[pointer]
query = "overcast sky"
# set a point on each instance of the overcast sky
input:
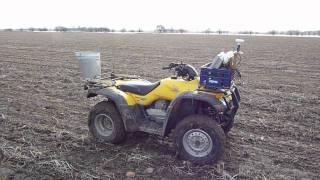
(197, 15)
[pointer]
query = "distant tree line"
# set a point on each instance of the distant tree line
(27, 29)
(93, 29)
(77, 29)
(219, 31)
(163, 29)
(295, 33)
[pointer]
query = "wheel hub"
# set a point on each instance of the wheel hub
(104, 124)
(197, 142)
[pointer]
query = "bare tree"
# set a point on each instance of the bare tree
(8, 30)
(273, 32)
(182, 31)
(60, 29)
(160, 29)
(42, 29)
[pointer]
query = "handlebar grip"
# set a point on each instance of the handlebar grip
(171, 65)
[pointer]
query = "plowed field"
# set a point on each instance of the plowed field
(43, 108)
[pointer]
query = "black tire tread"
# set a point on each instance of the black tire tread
(109, 108)
(227, 128)
(205, 123)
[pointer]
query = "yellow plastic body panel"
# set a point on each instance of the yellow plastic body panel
(168, 90)
(130, 100)
(218, 95)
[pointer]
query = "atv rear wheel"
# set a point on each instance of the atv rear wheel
(199, 139)
(105, 123)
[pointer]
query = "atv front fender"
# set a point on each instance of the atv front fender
(174, 109)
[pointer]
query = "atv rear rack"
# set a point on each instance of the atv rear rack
(108, 81)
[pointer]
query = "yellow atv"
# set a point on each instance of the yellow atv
(191, 107)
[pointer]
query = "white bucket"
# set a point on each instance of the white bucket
(90, 65)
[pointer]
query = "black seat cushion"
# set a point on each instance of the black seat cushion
(138, 87)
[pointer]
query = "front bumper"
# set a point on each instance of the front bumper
(232, 102)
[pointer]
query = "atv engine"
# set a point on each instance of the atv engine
(158, 110)
(161, 104)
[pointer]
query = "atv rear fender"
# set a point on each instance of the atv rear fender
(188, 103)
(130, 112)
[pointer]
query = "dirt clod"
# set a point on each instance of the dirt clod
(148, 170)
(130, 174)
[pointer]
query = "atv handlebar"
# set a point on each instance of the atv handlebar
(171, 65)
(185, 71)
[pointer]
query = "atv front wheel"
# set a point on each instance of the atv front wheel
(228, 126)
(199, 139)
(105, 123)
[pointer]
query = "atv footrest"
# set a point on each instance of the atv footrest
(151, 127)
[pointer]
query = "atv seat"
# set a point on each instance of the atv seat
(138, 87)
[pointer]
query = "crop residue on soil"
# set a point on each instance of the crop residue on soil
(43, 109)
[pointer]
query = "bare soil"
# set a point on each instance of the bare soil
(43, 108)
